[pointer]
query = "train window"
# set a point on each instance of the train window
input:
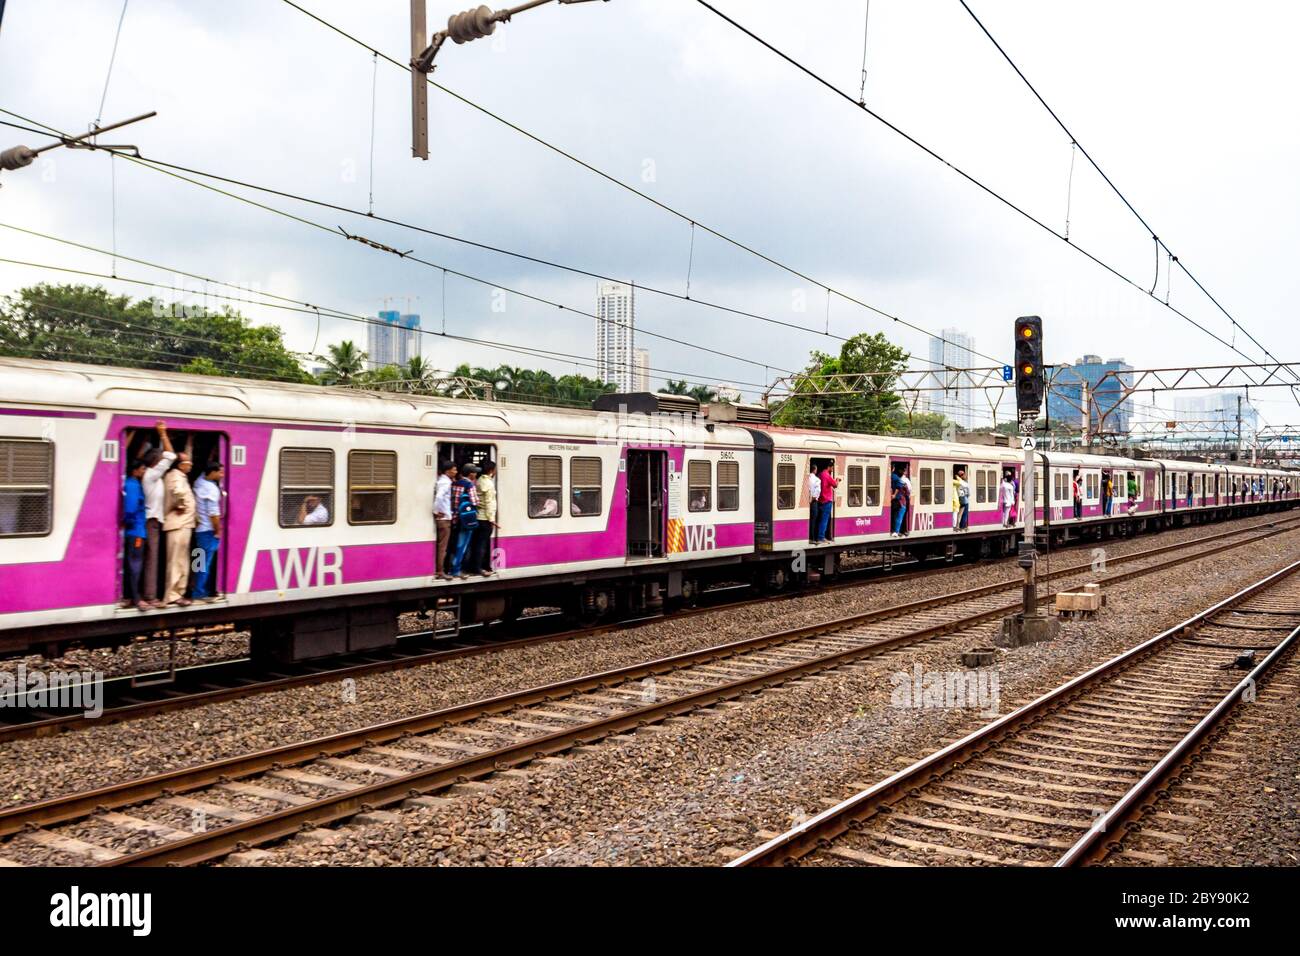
(786, 492)
(699, 485)
(372, 487)
(728, 486)
(981, 486)
(927, 486)
(1092, 485)
(873, 486)
(26, 487)
(585, 497)
(306, 487)
(940, 485)
(545, 486)
(855, 486)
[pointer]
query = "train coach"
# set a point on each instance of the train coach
(635, 505)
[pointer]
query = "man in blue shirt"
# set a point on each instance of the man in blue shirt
(207, 531)
(133, 515)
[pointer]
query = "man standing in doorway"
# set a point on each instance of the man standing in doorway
(814, 501)
(827, 499)
(487, 518)
(157, 462)
(207, 531)
(133, 524)
(442, 514)
(178, 524)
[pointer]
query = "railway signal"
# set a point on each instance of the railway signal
(1030, 381)
(1030, 624)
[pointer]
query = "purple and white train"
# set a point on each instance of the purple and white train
(638, 503)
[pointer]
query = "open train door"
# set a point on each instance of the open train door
(646, 494)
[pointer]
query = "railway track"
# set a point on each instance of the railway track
(261, 797)
(130, 697)
(1062, 780)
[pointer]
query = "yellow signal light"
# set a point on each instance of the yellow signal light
(1027, 369)
(1027, 332)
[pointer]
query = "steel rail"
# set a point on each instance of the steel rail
(217, 843)
(822, 829)
(320, 671)
(1111, 826)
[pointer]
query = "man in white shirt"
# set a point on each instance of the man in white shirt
(158, 463)
(313, 512)
(814, 492)
(442, 514)
(207, 531)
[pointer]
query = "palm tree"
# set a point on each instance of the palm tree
(678, 387)
(419, 375)
(343, 365)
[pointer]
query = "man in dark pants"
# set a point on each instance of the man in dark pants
(487, 518)
(133, 536)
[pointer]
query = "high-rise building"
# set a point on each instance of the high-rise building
(615, 335)
(953, 350)
(641, 364)
(395, 342)
(1214, 417)
(1065, 397)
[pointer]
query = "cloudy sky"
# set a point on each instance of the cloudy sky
(1187, 105)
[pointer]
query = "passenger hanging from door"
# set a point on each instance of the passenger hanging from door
(207, 531)
(442, 515)
(901, 499)
(1076, 493)
(827, 498)
(133, 536)
(961, 497)
(1007, 499)
(464, 505)
(814, 501)
(487, 519)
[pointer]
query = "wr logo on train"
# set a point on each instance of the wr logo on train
(701, 537)
(294, 567)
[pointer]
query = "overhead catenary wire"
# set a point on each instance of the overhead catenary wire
(434, 265)
(1109, 182)
(292, 305)
(174, 170)
(744, 247)
(988, 190)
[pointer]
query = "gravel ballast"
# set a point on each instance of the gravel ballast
(695, 790)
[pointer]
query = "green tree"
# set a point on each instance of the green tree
(80, 323)
(344, 364)
(867, 404)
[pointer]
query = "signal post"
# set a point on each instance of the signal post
(1031, 624)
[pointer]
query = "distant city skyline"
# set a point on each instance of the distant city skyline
(953, 350)
(616, 334)
(395, 342)
(641, 366)
(1064, 399)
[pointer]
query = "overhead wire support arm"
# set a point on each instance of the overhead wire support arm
(19, 156)
(461, 28)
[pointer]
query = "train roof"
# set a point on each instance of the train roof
(110, 388)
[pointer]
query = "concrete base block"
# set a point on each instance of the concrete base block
(1020, 629)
